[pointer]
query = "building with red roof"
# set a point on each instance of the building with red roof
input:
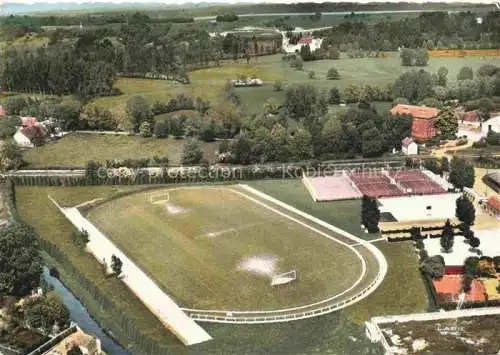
(305, 40)
(28, 121)
(450, 287)
(423, 126)
(493, 206)
(422, 112)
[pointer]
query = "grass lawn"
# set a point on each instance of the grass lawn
(157, 90)
(37, 210)
(76, 149)
(402, 291)
(208, 247)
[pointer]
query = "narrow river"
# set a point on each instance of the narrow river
(80, 315)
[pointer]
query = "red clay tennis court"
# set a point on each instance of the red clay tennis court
(450, 286)
(375, 184)
(416, 182)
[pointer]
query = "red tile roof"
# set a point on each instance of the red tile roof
(471, 116)
(423, 129)
(34, 131)
(415, 111)
(2, 111)
(407, 141)
(305, 40)
(450, 286)
(494, 202)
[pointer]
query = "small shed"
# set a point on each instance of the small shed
(409, 147)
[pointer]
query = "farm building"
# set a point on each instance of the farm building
(28, 121)
(70, 338)
(493, 124)
(409, 147)
(423, 126)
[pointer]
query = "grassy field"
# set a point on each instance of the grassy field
(220, 243)
(332, 333)
(36, 209)
(402, 290)
(76, 149)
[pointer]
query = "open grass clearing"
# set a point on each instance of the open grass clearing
(37, 210)
(224, 249)
(76, 150)
(402, 290)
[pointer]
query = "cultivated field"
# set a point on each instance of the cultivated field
(213, 248)
(77, 149)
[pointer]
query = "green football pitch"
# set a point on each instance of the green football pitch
(218, 248)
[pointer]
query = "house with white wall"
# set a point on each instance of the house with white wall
(493, 124)
(409, 147)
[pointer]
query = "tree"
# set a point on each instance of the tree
(447, 124)
(300, 145)
(396, 129)
(138, 111)
(176, 125)
(192, 152)
(80, 238)
(47, 312)
(8, 126)
(447, 237)
(351, 93)
(161, 130)
(421, 57)
(373, 143)
(278, 86)
(75, 350)
(474, 242)
(334, 96)
(370, 214)
(21, 264)
(311, 74)
(332, 74)
(11, 157)
(462, 173)
(445, 164)
(413, 85)
(116, 265)
(465, 211)
(432, 165)
(15, 104)
(442, 76)
(465, 73)
(433, 266)
(145, 129)
(407, 56)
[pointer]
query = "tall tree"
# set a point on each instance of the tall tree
(462, 173)
(447, 124)
(21, 264)
(116, 265)
(465, 210)
(447, 237)
(465, 73)
(370, 214)
(192, 152)
(139, 111)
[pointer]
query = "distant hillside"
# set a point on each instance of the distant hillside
(214, 8)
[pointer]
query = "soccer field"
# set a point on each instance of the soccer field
(217, 248)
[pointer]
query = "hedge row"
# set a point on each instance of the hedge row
(127, 327)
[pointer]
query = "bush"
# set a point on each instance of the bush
(333, 74)
(433, 266)
(161, 130)
(311, 74)
(480, 144)
(145, 130)
(278, 86)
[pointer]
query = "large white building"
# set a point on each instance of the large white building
(493, 124)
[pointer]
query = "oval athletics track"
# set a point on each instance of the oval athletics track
(374, 269)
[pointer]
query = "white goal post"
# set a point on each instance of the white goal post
(284, 278)
(159, 197)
